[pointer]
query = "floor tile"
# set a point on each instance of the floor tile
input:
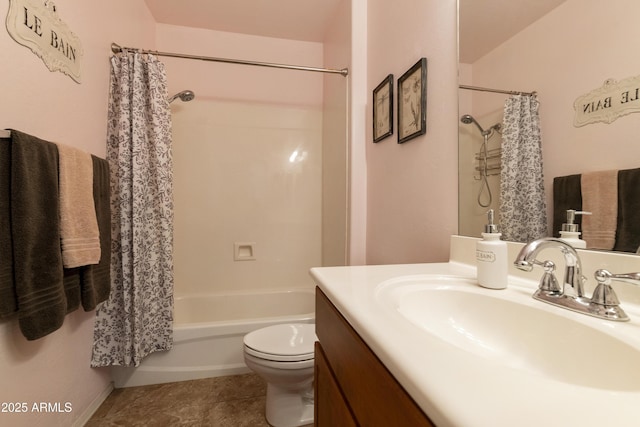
(232, 401)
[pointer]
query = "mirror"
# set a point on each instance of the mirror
(561, 49)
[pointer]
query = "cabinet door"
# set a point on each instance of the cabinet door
(374, 396)
(331, 410)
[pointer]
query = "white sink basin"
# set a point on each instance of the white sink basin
(509, 328)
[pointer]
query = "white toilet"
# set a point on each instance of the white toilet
(283, 356)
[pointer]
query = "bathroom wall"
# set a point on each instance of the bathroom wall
(335, 191)
(412, 187)
(569, 52)
(237, 176)
(52, 106)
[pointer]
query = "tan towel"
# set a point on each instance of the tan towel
(79, 235)
(600, 197)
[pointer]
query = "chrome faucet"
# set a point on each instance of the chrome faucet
(573, 267)
(604, 303)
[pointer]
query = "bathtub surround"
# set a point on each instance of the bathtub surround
(137, 318)
(208, 332)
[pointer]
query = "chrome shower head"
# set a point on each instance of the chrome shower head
(185, 96)
(467, 119)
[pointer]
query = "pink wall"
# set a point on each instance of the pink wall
(222, 81)
(52, 106)
(412, 187)
(337, 54)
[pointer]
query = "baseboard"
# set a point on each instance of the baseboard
(93, 407)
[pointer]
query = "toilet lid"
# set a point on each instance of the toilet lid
(289, 342)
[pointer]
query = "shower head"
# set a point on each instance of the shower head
(467, 119)
(185, 96)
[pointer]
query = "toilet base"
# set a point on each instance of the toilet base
(286, 408)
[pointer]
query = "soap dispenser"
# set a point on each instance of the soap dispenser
(491, 257)
(569, 231)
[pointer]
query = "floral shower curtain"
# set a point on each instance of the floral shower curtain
(136, 320)
(522, 201)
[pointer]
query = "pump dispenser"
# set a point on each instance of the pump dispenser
(570, 231)
(491, 257)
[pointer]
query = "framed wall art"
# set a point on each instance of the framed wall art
(383, 109)
(412, 102)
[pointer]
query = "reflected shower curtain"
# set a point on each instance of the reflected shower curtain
(523, 214)
(136, 320)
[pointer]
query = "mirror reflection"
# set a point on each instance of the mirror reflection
(561, 50)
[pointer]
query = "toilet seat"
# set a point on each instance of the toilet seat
(282, 343)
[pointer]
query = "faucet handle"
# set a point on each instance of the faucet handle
(604, 276)
(604, 293)
(548, 283)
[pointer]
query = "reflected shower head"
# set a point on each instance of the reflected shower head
(468, 119)
(185, 96)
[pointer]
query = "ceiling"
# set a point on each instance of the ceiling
(304, 20)
(485, 24)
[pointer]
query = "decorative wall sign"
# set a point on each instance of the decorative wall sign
(605, 104)
(36, 25)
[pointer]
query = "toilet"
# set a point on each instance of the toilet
(283, 356)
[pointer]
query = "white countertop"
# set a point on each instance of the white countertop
(457, 388)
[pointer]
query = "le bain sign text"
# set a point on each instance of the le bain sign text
(36, 25)
(605, 104)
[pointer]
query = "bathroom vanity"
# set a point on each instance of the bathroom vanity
(424, 345)
(352, 386)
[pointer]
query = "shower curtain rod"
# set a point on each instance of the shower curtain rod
(115, 48)
(508, 92)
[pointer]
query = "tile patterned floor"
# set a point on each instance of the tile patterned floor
(233, 401)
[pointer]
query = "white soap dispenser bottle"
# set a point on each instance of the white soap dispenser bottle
(569, 231)
(491, 257)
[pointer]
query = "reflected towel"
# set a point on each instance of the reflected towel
(79, 235)
(35, 231)
(600, 197)
(628, 237)
(8, 298)
(566, 195)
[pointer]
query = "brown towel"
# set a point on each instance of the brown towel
(96, 279)
(8, 298)
(80, 240)
(35, 231)
(628, 237)
(600, 197)
(566, 195)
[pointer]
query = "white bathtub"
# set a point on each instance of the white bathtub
(208, 332)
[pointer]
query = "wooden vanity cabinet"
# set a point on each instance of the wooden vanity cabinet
(352, 386)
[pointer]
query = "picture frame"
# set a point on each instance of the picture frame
(383, 109)
(412, 102)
